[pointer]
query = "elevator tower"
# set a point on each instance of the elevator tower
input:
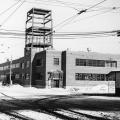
(38, 34)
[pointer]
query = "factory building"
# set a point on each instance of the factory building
(43, 67)
(64, 69)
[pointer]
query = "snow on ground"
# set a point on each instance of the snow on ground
(22, 92)
(5, 117)
(29, 113)
(107, 115)
(19, 91)
(102, 88)
(37, 115)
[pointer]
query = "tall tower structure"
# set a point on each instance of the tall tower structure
(38, 35)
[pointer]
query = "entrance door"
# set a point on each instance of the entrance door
(56, 83)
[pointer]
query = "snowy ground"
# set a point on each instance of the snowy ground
(25, 92)
(20, 92)
(32, 114)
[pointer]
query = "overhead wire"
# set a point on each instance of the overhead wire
(96, 4)
(91, 16)
(60, 3)
(71, 35)
(9, 8)
(12, 13)
(49, 3)
(67, 20)
(69, 3)
(80, 12)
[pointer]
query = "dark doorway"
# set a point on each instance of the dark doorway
(56, 83)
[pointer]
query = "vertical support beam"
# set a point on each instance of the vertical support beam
(31, 52)
(11, 71)
(51, 31)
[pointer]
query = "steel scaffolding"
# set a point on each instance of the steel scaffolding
(38, 33)
(39, 29)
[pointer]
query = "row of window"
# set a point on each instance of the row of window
(89, 76)
(95, 63)
(94, 77)
(79, 62)
(39, 62)
(17, 76)
(17, 65)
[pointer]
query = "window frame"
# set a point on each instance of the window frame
(56, 61)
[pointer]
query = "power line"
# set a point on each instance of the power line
(49, 3)
(103, 12)
(68, 20)
(84, 10)
(64, 21)
(69, 4)
(11, 14)
(64, 3)
(96, 4)
(80, 12)
(10, 7)
(61, 3)
(68, 34)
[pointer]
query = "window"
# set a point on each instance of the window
(2, 76)
(56, 61)
(80, 62)
(13, 65)
(39, 62)
(89, 76)
(100, 63)
(95, 63)
(28, 64)
(78, 76)
(17, 65)
(17, 76)
(22, 65)
(27, 76)
(111, 63)
(6, 67)
(22, 76)
(1, 68)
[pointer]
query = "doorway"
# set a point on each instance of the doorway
(56, 83)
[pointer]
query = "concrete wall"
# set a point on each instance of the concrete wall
(71, 69)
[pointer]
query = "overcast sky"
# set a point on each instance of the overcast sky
(99, 18)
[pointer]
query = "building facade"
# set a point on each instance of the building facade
(63, 69)
(89, 70)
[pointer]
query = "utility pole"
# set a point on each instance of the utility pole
(11, 71)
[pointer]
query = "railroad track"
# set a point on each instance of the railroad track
(62, 113)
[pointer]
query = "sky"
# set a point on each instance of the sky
(99, 18)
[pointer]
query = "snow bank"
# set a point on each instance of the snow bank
(102, 88)
(20, 91)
